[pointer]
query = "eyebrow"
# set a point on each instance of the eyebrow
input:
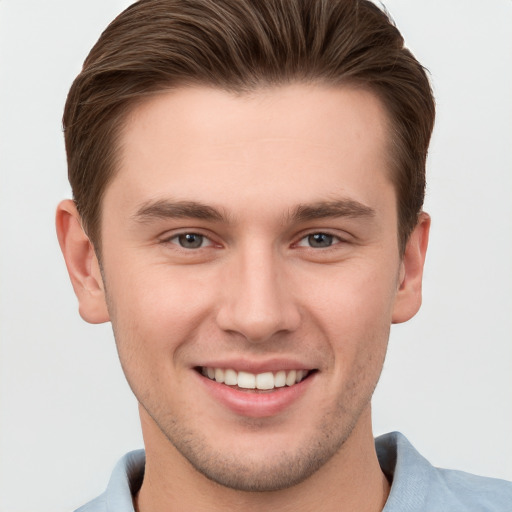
(163, 209)
(333, 209)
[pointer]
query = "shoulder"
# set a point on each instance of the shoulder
(125, 481)
(470, 492)
(99, 504)
(419, 486)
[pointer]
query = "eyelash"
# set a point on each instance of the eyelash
(175, 240)
(178, 236)
(334, 240)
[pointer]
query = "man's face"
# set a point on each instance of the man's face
(245, 236)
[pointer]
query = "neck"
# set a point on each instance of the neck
(350, 480)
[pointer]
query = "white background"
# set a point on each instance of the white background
(66, 413)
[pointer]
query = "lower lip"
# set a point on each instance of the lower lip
(254, 404)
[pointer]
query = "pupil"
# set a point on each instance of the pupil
(320, 240)
(191, 240)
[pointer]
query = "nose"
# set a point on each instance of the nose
(257, 299)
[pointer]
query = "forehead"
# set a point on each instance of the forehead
(286, 144)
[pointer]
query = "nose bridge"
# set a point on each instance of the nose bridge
(257, 303)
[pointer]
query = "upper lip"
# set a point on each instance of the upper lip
(256, 367)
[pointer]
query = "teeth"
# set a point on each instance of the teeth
(230, 378)
(265, 380)
(219, 375)
(280, 379)
(246, 380)
(291, 378)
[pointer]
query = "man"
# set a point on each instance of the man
(248, 182)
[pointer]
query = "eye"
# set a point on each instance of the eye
(190, 240)
(318, 240)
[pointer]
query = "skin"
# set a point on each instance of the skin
(265, 170)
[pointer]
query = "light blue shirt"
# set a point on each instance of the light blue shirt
(417, 486)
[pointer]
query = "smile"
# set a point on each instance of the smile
(261, 381)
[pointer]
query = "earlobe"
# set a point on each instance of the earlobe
(82, 264)
(408, 297)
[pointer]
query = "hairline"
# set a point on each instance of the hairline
(130, 105)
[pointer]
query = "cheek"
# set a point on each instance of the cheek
(153, 314)
(353, 297)
(359, 340)
(156, 298)
(354, 309)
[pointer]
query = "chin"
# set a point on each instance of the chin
(258, 463)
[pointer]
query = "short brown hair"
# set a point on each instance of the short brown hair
(240, 45)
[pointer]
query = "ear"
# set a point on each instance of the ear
(82, 264)
(408, 297)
